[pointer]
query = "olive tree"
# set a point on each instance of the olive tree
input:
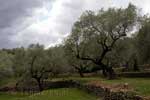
(143, 42)
(95, 34)
(58, 60)
(38, 64)
(32, 62)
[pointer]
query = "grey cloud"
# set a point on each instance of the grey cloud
(17, 19)
(12, 12)
(15, 9)
(45, 39)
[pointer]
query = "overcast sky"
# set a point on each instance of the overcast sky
(47, 22)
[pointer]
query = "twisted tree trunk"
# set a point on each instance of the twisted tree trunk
(40, 85)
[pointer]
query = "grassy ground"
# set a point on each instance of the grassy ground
(53, 94)
(11, 96)
(140, 85)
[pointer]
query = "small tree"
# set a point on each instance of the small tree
(32, 62)
(38, 64)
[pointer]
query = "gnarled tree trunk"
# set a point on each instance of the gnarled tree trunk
(40, 84)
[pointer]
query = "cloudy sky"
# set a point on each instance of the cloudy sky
(47, 22)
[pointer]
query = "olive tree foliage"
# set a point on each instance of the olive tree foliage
(58, 60)
(19, 62)
(95, 34)
(5, 64)
(143, 42)
(125, 54)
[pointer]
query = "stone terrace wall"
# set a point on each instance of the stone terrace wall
(108, 94)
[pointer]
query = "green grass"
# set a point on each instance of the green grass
(11, 96)
(53, 94)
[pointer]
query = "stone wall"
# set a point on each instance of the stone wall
(107, 93)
